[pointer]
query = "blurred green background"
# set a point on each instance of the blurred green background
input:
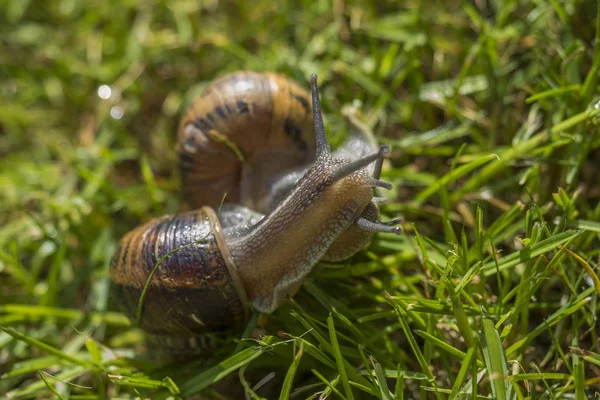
(490, 108)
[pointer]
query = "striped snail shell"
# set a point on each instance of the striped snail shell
(290, 202)
(246, 130)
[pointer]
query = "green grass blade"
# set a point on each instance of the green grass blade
(221, 370)
(338, 358)
(454, 175)
(289, 376)
(495, 361)
(143, 382)
(530, 252)
(468, 359)
(45, 348)
(415, 348)
(384, 391)
(42, 375)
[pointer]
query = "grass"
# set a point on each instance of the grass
(490, 108)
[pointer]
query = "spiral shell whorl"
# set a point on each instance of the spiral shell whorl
(192, 292)
(246, 126)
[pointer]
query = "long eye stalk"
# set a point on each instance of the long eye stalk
(379, 163)
(386, 227)
(323, 148)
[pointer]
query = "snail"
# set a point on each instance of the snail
(297, 203)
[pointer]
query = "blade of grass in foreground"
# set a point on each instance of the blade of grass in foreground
(415, 347)
(530, 252)
(289, 377)
(578, 372)
(44, 347)
(326, 346)
(586, 267)
(67, 375)
(495, 361)
(143, 382)
(316, 353)
(338, 357)
(540, 376)
(32, 365)
(32, 311)
(330, 385)
(384, 391)
(591, 226)
(445, 346)
(552, 93)
(464, 369)
(588, 356)
(221, 370)
(42, 375)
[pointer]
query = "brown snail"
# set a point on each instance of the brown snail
(298, 203)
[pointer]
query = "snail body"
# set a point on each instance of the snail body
(304, 204)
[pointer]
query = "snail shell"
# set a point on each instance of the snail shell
(244, 132)
(196, 290)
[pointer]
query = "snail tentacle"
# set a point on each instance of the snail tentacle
(381, 184)
(323, 147)
(376, 227)
(393, 222)
(379, 163)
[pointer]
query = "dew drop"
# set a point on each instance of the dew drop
(593, 111)
(487, 194)
(104, 92)
(116, 112)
